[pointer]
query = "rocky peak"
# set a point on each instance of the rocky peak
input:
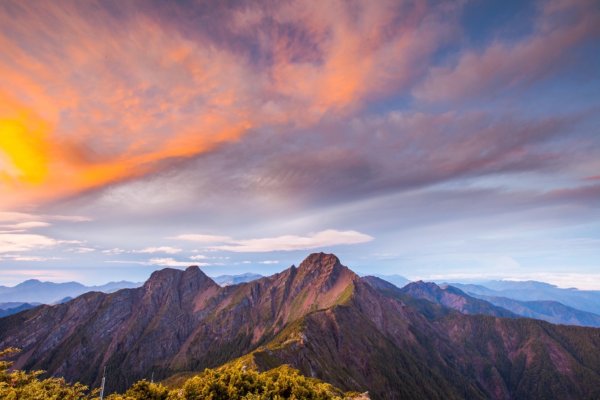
(320, 261)
(322, 267)
(322, 272)
(192, 279)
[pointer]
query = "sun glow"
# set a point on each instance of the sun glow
(23, 152)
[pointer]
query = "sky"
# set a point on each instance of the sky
(438, 140)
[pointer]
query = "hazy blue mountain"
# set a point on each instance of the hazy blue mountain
(396, 280)
(226, 280)
(35, 291)
(547, 310)
(584, 300)
(11, 308)
(13, 304)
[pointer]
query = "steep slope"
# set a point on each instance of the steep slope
(378, 342)
(360, 334)
(454, 298)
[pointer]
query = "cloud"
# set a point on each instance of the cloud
(326, 238)
(10, 242)
(102, 106)
(160, 249)
(506, 64)
(82, 250)
(114, 251)
(19, 217)
(26, 225)
(13, 257)
(201, 238)
(171, 262)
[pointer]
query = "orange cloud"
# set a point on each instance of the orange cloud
(96, 98)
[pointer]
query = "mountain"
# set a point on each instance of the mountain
(585, 300)
(226, 280)
(551, 311)
(11, 308)
(454, 298)
(359, 334)
(35, 291)
(397, 280)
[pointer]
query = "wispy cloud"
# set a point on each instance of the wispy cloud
(506, 64)
(17, 257)
(326, 238)
(168, 262)
(26, 225)
(159, 249)
(188, 92)
(201, 238)
(10, 242)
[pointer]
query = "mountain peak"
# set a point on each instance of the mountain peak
(320, 261)
(169, 277)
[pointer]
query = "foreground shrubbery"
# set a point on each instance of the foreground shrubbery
(21, 385)
(226, 383)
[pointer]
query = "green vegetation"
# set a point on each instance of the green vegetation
(231, 382)
(21, 385)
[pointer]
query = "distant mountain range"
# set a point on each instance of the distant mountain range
(226, 280)
(585, 300)
(454, 298)
(510, 296)
(35, 291)
(360, 334)
(551, 311)
(397, 280)
(11, 308)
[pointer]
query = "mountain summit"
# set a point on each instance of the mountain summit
(359, 334)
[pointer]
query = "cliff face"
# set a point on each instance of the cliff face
(357, 333)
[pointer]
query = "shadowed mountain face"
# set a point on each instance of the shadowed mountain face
(357, 333)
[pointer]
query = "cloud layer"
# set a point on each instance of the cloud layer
(323, 239)
(446, 135)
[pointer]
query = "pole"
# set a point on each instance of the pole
(103, 382)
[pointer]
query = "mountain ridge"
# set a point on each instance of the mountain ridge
(320, 317)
